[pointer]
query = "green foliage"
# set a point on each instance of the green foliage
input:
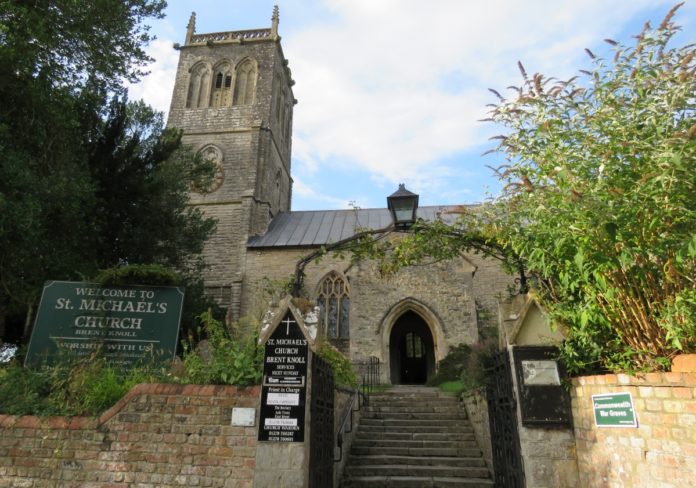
(73, 43)
(465, 365)
(343, 372)
(195, 300)
(87, 181)
(75, 386)
(90, 385)
(450, 368)
(455, 387)
(142, 176)
(227, 356)
(138, 274)
(599, 205)
(601, 196)
(275, 289)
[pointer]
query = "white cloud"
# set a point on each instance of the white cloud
(299, 188)
(158, 86)
(392, 89)
(375, 86)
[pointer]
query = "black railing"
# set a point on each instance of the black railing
(346, 424)
(369, 372)
(370, 378)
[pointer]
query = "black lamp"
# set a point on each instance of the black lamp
(402, 205)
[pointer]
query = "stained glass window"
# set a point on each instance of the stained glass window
(334, 302)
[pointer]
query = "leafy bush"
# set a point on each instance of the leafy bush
(451, 367)
(228, 356)
(342, 368)
(138, 274)
(195, 300)
(598, 207)
(74, 386)
(601, 197)
(90, 385)
(465, 366)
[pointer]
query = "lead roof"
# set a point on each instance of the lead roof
(319, 227)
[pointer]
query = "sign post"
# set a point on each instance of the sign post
(614, 410)
(125, 324)
(284, 388)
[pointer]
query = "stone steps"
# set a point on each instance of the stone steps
(414, 437)
(417, 482)
(385, 459)
(416, 451)
(414, 443)
(414, 421)
(430, 429)
(420, 416)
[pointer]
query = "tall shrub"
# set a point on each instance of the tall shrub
(601, 194)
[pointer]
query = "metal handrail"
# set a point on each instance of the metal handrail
(347, 414)
(370, 379)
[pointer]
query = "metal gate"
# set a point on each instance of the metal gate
(502, 413)
(321, 447)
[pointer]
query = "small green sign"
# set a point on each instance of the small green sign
(126, 324)
(614, 410)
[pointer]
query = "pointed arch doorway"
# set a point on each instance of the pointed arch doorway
(411, 350)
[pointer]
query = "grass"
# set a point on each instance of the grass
(379, 388)
(452, 386)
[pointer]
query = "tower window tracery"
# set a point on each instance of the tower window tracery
(222, 86)
(333, 298)
(198, 86)
(245, 83)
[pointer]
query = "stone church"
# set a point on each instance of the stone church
(233, 98)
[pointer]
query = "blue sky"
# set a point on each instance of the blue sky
(391, 91)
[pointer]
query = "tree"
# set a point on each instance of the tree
(87, 181)
(141, 176)
(599, 204)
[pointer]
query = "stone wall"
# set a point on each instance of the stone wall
(449, 295)
(660, 452)
(548, 455)
(157, 435)
(342, 397)
(476, 407)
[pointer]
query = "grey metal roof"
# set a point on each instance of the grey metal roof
(319, 227)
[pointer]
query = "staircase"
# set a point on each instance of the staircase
(414, 437)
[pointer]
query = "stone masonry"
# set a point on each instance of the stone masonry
(249, 138)
(250, 141)
(451, 296)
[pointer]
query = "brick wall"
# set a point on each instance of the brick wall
(660, 452)
(157, 435)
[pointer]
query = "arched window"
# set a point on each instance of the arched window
(245, 83)
(333, 298)
(222, 86)
(198, 87)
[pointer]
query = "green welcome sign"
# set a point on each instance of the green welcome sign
(614, 410)
(125, 324)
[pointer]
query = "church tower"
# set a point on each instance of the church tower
(233, 99)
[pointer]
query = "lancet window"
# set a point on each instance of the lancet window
(222, 86)
(198, 87)
(245, 83)
(333, 299)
